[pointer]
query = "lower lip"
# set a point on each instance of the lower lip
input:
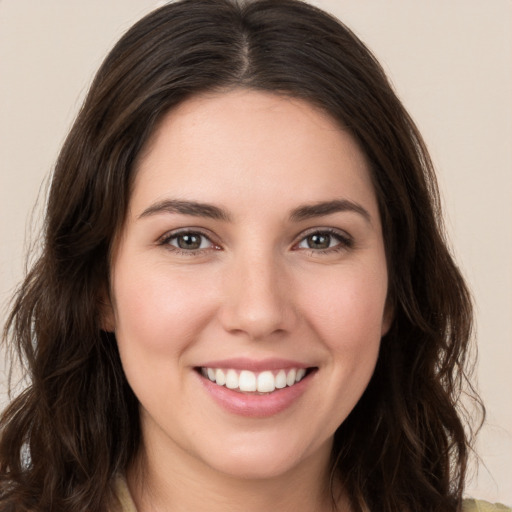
(256, 406)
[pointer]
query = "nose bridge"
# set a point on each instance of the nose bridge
(257, 302)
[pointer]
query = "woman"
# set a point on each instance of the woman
(244, 300)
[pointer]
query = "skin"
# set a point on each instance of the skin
(256, 288)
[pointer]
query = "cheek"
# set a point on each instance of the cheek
(347, 317)
(347, 307)
(159, 314)
(157, 309)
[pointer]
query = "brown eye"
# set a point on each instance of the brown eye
(189, 241)
(319, 241)
(325, 241)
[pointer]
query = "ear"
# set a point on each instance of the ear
(387, 317)
(106, 311)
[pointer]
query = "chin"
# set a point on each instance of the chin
(266, 459)
(255, 468)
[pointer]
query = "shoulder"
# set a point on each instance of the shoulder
(483, 506)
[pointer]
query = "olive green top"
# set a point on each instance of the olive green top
(469, 505)
(123, 494)
(483, 506)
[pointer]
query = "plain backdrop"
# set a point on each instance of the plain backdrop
(451, 64)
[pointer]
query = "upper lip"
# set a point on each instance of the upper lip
(255, 365)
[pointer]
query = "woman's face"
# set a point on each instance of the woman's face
(251, 258)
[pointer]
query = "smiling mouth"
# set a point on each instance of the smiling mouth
(246, 381)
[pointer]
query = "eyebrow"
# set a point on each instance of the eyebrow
(187, 208)
(303, 212)
(320, 209)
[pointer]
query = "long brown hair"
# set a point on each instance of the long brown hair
(76, 426)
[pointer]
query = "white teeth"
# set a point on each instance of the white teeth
(281, 379)
(290, 377)
(247, 381)
(266, 382)
(220, 377)
(231, 379)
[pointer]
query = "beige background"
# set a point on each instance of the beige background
(451, 63)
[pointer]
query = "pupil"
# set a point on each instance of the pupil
(319, 241)
(189, 242)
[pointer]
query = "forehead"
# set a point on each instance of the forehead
(256, 146)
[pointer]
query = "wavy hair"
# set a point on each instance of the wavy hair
(76, 426)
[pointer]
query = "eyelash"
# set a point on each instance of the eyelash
(345, 242)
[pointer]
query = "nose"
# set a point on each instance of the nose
(259, 300)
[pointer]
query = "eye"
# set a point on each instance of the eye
(325, 241)
(187, 241)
